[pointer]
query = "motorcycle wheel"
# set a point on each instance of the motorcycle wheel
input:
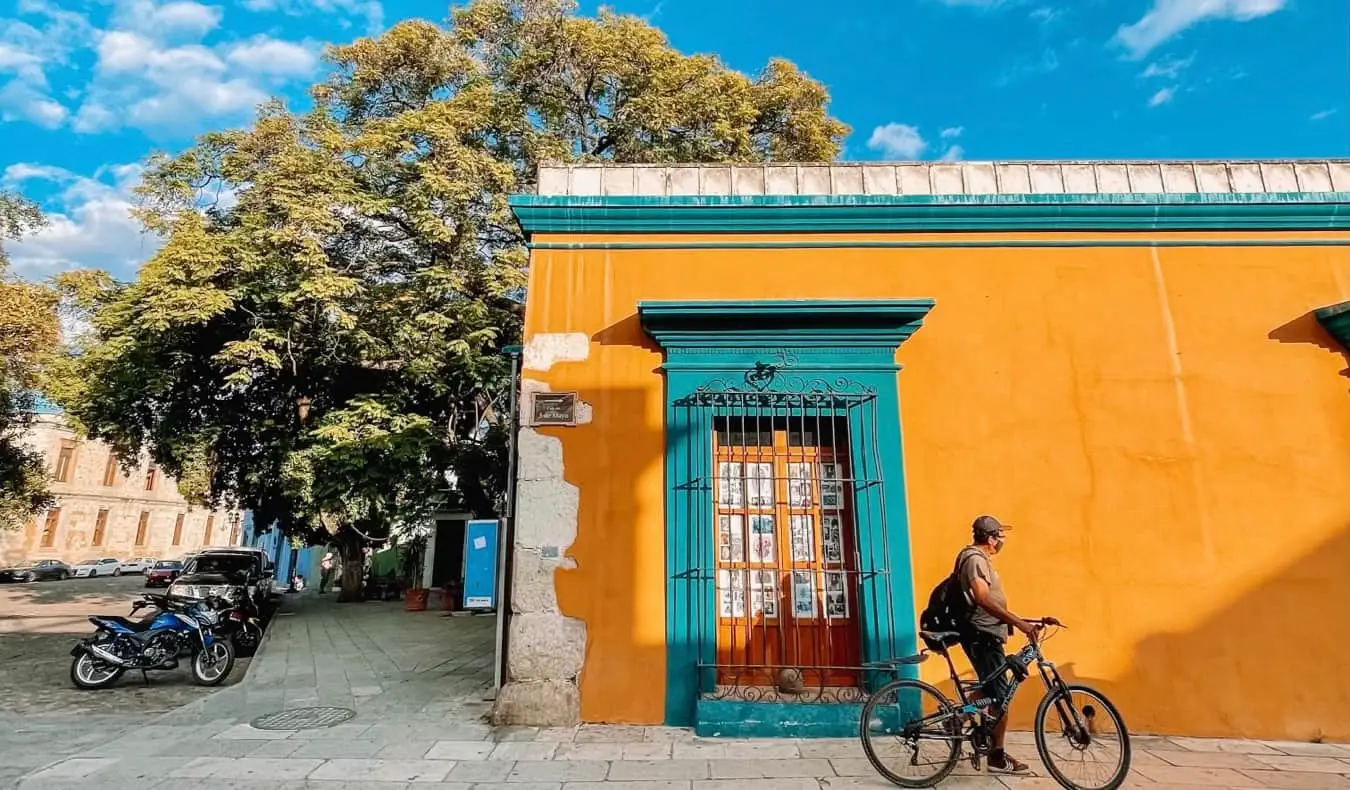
(87, 672)
(210, 666)
(245, 642)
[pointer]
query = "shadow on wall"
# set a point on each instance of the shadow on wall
(617, 587)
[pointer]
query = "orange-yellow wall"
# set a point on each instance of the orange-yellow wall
(1168, 428)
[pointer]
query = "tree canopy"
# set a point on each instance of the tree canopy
(320, 339)
(28, 339)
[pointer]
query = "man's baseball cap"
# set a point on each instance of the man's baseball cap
(985, 526)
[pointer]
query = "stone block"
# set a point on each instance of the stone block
(650, 181)
(913, 179)
(682, 181)
(879, 179)
(946, 179)
(1046, 179)
(548, 703)
(747, 180)
(546, 513)
(382, 771)
(979, 178)
(1179, 178)
(1145, 178)
(1340, 176)
(532, 586)
(1313, 177)
(714, 181)
(545, 646)
(1079, 179)
(1112, 179)
(813, 180)
(1246, 177)
(780, 180)
(617, 180)
(659, 770)
(1213, 178)
(846, 180)
(1279, 177)
(540, 456)
(1014, 179)
(552, 180)
(770, 769)
(586, 181)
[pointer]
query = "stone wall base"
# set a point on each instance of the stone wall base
(538, 703)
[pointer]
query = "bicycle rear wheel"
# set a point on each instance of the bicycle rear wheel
(1079, 731)
(909, 726)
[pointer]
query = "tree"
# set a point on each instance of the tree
(320, 337)
(28, 339)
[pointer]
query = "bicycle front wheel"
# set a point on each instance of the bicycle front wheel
(911, 733)
(1082, 739)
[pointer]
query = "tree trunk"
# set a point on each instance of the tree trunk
(352, 582)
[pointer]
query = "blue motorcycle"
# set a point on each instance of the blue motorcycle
(155, 643)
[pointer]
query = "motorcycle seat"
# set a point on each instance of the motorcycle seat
(131, 625)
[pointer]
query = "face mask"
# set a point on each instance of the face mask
(998, 545)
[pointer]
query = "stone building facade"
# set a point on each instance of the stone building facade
(103, 510)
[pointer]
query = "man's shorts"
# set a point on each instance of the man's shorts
(986, 654)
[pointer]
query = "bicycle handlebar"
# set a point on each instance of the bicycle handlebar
(1047, 621)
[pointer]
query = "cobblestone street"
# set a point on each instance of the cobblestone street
(47, 717)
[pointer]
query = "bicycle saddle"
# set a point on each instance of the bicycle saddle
(940, 637)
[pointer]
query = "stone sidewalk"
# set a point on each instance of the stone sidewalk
(416, 685)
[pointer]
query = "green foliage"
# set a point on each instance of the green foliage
(359, 263)
(28, 338)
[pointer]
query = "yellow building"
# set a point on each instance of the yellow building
(797, 385)
(103, 510)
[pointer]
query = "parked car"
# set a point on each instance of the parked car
(230, 575)
(138, 565)
(107, 566)
(36, 571)
(266, 570)
(162, 573)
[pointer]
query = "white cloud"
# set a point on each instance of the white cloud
(166, 21)
(1163, 96)
(897, 141)
(21, 101)
(369, 10)
(1322, 115)
(263, 55)
(1168, 18)
(28, 52)
(954, 154)
(1167, 67)
(954, 131)
(89, 224)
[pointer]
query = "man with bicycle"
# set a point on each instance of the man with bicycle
(991, 624)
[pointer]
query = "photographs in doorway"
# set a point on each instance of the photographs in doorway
(831, 489)
(832, 538)
(836, 596)
(759, 485)
(803, 595)
(800, 485)
(730, 485)
(731, 538)
(803, 529)
(762, 539)
(731, 586)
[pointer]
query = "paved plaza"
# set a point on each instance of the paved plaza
(417, 685)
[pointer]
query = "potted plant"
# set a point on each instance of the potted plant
(415, 595)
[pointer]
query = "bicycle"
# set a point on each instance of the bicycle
(899, 707)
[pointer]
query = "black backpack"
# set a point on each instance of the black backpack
(948, 607)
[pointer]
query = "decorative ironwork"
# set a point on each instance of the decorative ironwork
(302, 719)
(773, 377)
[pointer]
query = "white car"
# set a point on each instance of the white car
(108, 566)
(139, 564)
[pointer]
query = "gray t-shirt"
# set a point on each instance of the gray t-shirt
(976, 564)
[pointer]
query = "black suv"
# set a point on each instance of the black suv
(232, 575)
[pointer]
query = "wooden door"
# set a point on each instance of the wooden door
(786, 579)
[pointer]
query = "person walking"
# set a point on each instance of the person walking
(326, 568)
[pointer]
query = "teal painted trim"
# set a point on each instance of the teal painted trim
(715, 344)
(892, 213)
(735, 719)
(868, 244)
(1336, 320)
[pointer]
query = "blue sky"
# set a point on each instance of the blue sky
(89, 87)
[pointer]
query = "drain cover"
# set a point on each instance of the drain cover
(302, 719)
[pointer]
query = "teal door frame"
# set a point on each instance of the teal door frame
(822, 348)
